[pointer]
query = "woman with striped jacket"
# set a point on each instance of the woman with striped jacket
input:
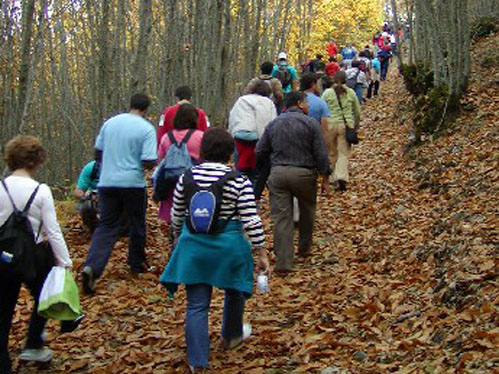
(223, 260)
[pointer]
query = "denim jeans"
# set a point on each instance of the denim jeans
(112, 202)
(196, 326)
(10, 293)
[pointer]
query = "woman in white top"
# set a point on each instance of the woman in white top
(23, 155)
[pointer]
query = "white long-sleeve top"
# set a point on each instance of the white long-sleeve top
(251, 113)
(42, 212)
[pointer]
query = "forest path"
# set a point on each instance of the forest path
(366, 301)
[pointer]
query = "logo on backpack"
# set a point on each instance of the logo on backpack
(205, 204)
(284, 75)
(173, 165)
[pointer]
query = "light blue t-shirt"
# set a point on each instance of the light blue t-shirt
(292, 71)
(125, 141)
(317, 108)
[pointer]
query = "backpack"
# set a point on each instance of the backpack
(95, 174)
(352, 82)
(20, 256)
(284, 75)
(269, 82)
(204, 204)
(173, 165)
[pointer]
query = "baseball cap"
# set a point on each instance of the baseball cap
(282, 56)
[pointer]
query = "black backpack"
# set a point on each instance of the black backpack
(284, 75)
(20, 256)
(204, 204)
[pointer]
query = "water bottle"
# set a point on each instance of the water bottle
(6, 257)
(262, 282)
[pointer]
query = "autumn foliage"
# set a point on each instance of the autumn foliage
(403, 276)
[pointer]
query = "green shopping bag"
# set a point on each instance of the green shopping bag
(60, 298)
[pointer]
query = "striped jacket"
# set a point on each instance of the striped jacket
(238, 198)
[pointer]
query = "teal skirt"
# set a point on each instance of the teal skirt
(221, 260)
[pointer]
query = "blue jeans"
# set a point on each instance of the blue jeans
(112, 202)
(197, 334)
(359, 91)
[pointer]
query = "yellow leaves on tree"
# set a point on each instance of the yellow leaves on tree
(344, 21)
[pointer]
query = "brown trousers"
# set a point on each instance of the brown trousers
(286, 182)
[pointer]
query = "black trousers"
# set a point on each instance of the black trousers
(375, 85)
(112, 202)
(9, 294)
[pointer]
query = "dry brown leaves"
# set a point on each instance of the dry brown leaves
(403, 276)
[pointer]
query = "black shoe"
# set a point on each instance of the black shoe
(70, 326)
(88, 280)
(144, 268)
(342, 185)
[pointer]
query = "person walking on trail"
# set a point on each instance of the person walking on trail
(285, 73)
(348, 53)
(277, 94)
(184, 123)
(317, 108)
(247, 121)
(375, 78)
(86, 194)
(202, 261)
(183, 95)
(317, 65)
(332, 67)
(126, 144)
(345, 111)
(357, 80)
(298, 154)
(24, 155)
(384, 58)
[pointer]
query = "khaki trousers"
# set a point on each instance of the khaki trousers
(340, 151)
(286, 182)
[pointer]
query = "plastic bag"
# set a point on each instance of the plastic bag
(60, 297)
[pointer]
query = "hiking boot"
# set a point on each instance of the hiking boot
(196, 370)
(282, 272)
(70, 326)
(88, 280)
(36, 355)
(233, 343)
(342, 185)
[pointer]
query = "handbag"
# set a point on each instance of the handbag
(350, 133)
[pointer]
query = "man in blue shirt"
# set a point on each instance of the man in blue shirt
(285, 73)
(126, 144)
(318, 108)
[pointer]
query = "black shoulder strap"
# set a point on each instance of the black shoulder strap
(188, 136)
(10, 197)
(171, 137)
(30, 200)
(341, 107)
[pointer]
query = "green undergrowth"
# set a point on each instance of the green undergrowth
(435, 108)
(484, 26)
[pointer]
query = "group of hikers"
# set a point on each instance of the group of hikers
(290, 134)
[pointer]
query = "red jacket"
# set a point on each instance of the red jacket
(332, 50)
(332, 68)
(166, 121)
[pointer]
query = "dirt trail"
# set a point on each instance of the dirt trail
(402, 277)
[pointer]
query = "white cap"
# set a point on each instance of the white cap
(282, 56)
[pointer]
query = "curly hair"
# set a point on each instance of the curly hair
(24, 152)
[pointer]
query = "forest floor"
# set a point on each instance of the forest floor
(403, 276)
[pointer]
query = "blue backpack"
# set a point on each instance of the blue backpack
(204, 204)
(176, 162)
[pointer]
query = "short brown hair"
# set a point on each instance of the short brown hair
(24, 152)
(217, 145)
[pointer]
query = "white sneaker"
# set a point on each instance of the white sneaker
(247, 330)
(38, 355)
